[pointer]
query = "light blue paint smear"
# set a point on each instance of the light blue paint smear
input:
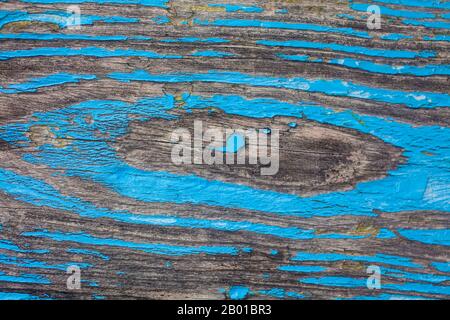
(153, 248)
(305, 269)
(24, 278)
(17, 296)
(439, 37)
(428, 24)
(238, 292)
(347, 282)
(400, 274)
(387, 296)
(373, 52)
(328, 87)
(212, 54)
(422, 71)
(395, 37)
(88, 37)
(446, 15)
(60, 36)
(60, 18)
(89, 158)
(242, 23)
(435, 4)
(234, 143)
(29, 263)
(87, 51)
(386, 234)
(149, 3)
(362, 7)
(237, 8)
(9, 246)
(281, 293)
(377, 258)
(345, 16)
(441, 266)
(195, 40)
(437, 236)
(89, 253)
(47, 81)
(41, 194)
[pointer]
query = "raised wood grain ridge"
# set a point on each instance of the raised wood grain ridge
(86, 178)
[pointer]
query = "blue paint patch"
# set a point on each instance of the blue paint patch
(238, 292)
(87, 51)
(305, 269)
(148, 3)
(328, 87)
(377, 258)
(441, 266)
(60, 18)
(347, 282)
(24, 278)
(386, 234)
(237, 8)
(266, 24)
(19, 296)
(427, 24)
(437, 236)
(212, 54)
(234, 143)
(153, 248)
(362, 7)
(89, 253)
(372, 52)
(52, 80)
(434, 4)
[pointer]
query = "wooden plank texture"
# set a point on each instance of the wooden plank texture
(87, 116)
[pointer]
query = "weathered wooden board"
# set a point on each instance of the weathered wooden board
(86, 122)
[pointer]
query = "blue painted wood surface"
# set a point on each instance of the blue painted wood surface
(80, 110)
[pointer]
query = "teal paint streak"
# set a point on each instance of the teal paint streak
(428, 24)
(362, 7)
(9, 246)
(434, 4)
(87, 51)
(149, 3)
(386, 234)
(377, 258)
(238, 292)
(281, 293)
(88, 37)
(212, 54)
(266, 24)
(89, 253)
(24, 278)
(306, 269)
(60, 18)
(29, 263)
(422, 71)
(372, 52)
(435, 237)
(152, 248)
(442, 266)
(52, 80)
(237, 8)
(400, 274)
(41, 194)
(17, 296)
(395, 37)
(328, 87)
(347, 282)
